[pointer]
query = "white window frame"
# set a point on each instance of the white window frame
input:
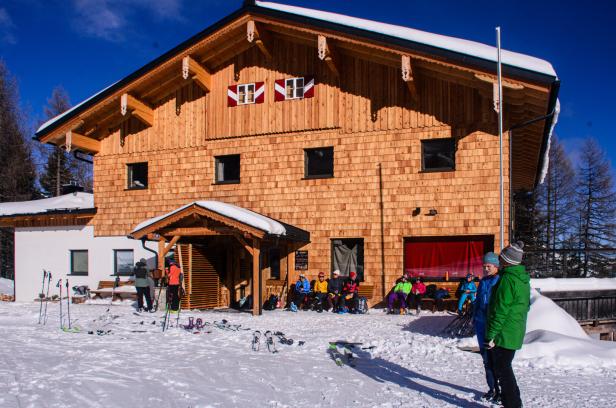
(295, 89)
(242, 94)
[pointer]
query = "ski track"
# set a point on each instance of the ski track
(42, 366)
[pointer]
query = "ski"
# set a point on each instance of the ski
(46, 298)
(59, 285)
(68, 305)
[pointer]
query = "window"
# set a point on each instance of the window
(347, 256)
(227, 169)
(79, 262)
(123, 262)
(294, 88)
(137, 175)
(438, 154)
(245, 94)
(273, 262)
(319, 162)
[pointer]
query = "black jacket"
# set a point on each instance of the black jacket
(335, 285)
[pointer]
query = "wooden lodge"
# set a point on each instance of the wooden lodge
(376, 146)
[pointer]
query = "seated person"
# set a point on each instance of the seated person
(320, 292)
(467, 290)
(334, 290)
(349, 294)
(417, 292)
(302, 290)
(399, 293)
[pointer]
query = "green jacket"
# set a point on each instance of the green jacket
(508, 308)
(404, 287)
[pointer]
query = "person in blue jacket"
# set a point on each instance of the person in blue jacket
(467, 289)
(480, 318)
(302, 290)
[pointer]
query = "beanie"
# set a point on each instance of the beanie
(491, 258)
(353, 275)
(512, 254)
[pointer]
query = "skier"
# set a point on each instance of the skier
(400, 292)
(142, 284)
(507, 314)
(490, 269)
(334, 289)
(173, 287)
(417, 292)
(467, 289)
(349, 294)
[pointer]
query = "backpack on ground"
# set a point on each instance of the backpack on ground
(270, 304)
(362, 305)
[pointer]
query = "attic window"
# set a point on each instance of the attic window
(294, 88)
(137, 176)
(438, 154)
(245, 94)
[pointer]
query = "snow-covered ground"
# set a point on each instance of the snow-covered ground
(138, 365)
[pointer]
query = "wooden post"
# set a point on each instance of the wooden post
(257, 305)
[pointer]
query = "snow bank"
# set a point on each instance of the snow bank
(573, 284)
(6, 286)
(544, 314)
(73, 201)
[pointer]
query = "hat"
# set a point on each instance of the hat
(336, 272)
(513, 253)
(302, 275)
(353, 274)
(143, 261)
(321, 274)
(491, 258)
(470, 275)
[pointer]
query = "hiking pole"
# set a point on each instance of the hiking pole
(59, 285)
(42, 295)
(47, 298)
(68, 305)
(116, 283)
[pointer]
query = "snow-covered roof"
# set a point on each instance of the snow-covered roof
(67, 202)
(240, 214)
(471, 48)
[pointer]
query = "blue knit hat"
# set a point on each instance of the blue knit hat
(491, 258)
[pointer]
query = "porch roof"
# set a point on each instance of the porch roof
(230, 215)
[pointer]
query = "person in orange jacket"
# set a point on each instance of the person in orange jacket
(174, 280)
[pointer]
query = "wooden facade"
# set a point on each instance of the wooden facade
(373, 117)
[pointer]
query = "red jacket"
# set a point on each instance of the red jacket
(350, 286)
(418, 287)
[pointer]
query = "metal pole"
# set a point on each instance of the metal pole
(500, 140)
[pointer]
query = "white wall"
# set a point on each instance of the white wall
(49, 248)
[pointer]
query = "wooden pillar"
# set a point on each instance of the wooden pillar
(257, 304)
(161, 254)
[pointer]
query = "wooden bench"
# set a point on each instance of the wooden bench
(450, 303)
(105, 288)
(366, 291)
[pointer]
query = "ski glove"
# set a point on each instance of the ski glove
(489, 344)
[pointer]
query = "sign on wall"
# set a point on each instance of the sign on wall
(301, 260)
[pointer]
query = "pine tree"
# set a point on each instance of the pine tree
(17, 172)
(597, 209)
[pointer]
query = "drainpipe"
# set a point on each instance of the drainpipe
(152, 251)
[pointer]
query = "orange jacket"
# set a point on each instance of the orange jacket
(174, 275)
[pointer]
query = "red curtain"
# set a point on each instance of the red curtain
(436, 258)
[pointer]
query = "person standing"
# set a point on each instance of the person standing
(480, 316)
(142, 284)
(507, 314)
(174, 280)
(334, 289)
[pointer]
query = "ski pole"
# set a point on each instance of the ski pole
(47, 298)
(115, 285)
(42, 295)
(68, 305)
(59, 285)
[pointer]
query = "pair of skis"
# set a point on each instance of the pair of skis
(343, 351)
(44, 297)
(269, 341)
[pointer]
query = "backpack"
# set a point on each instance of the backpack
(430, 290)
(362, 305)
(270, 304)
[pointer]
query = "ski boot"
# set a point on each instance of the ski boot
(269, 340)
(256, 340)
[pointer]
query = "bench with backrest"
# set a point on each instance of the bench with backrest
(450, 303)
(105, 289)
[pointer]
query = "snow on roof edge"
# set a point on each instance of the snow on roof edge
(546, 154)
(467, 47)
(72, 201)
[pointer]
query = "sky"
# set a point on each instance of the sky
(86, 45)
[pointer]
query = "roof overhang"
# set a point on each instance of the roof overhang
(49, 219)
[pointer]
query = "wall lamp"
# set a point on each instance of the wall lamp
(432, 212)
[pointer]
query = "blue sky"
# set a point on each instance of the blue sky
(85, 45)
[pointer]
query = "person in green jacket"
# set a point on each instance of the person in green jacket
(506, 325)
(400, 292)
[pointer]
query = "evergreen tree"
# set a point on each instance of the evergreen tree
(597, 209)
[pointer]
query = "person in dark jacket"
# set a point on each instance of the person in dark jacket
(349, 294)
(142, 284)
(507, 314)
(334, 290)
(480, 317)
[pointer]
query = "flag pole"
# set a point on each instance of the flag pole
(500, 140)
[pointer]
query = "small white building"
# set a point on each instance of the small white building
(55, 235)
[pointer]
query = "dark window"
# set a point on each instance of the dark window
(228, 169)
(274, 263)
(123, 262)
(79, 262)
(348, 256)
(137, 175)
(438, 154)
(319, 162)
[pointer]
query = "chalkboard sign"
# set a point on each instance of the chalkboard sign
(301, 260)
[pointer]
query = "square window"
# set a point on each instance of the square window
(227, 169)
(319, 162)
(294, 88)
(123, 262)
(137, 175)
(245, 94)
(438, 154)
(79, 262)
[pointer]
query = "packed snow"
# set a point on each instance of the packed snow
(6, 286)
(240, 214)
(573, 284)
(403, 361)
(72, 201)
